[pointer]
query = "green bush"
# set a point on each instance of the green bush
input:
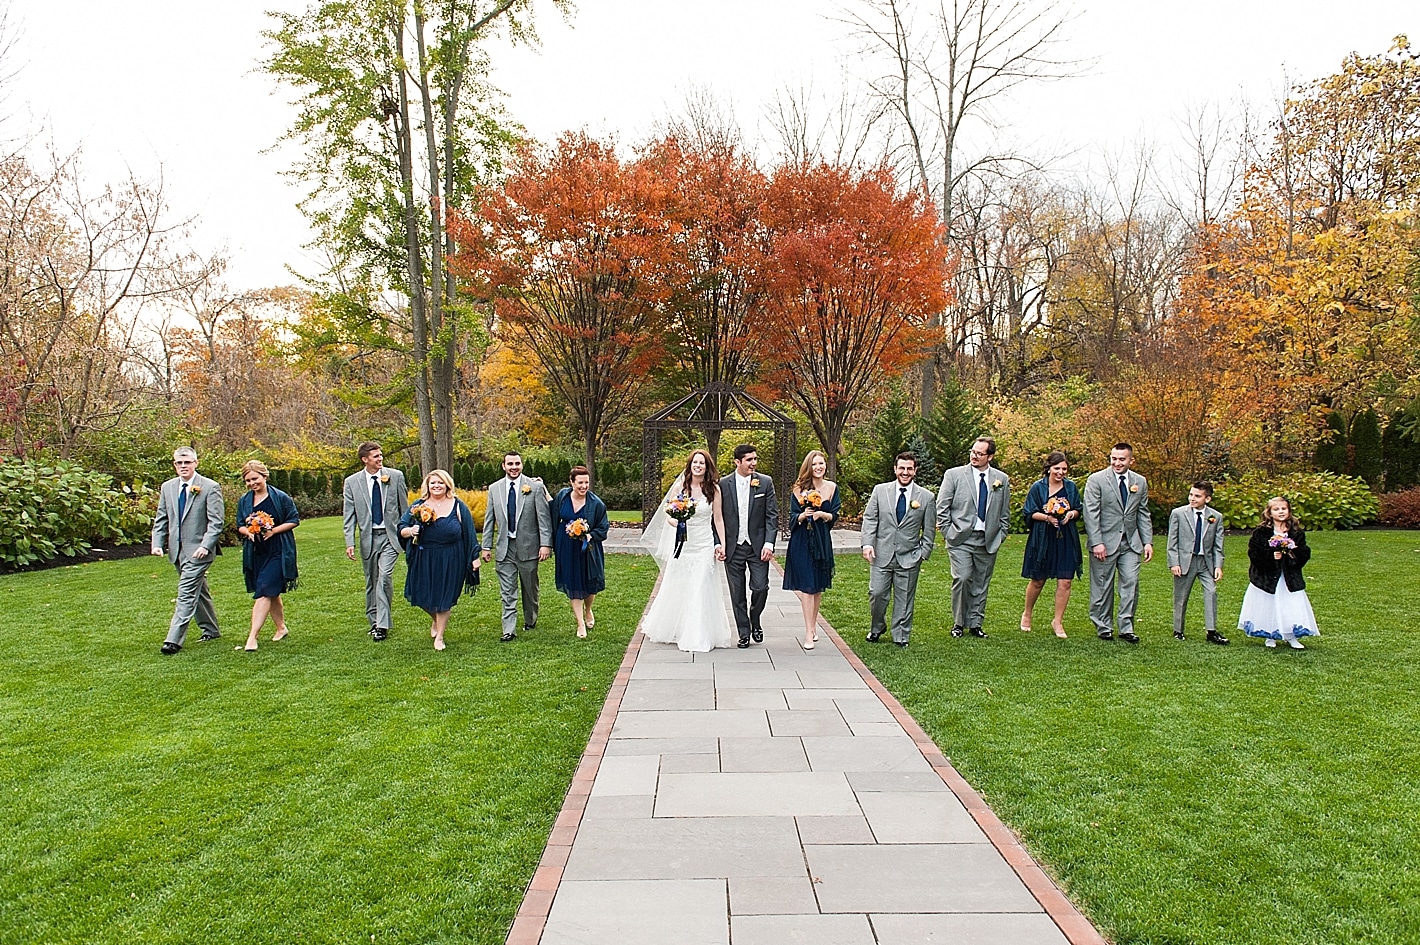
(1365, 447)
(62, 509)
(1321, 500)
(1331, 453)
(623, 497)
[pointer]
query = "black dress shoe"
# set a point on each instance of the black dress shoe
(873, 637)
(1178, 634)
(1129, 637)
(208, 635)
(1215, 637)
(507, 635)
(168, 649)
(757, 635)
(1106, 634)
(529, 626)
(977, 632)
(958, 632)
(743, 645)
(902, 644)
(378, 634)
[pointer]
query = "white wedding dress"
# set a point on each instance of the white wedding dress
(689, 609)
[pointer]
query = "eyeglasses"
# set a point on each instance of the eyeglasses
(184, 462)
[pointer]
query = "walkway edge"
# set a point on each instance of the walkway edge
(532, 914)
(1071, 922)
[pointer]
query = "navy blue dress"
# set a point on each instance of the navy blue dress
(269, 565)
(580, 571)
(808, 564)
(1052, 553)
(439, 561)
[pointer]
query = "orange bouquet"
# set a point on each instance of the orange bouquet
(259, 524)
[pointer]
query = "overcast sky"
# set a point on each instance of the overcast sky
(162, 85)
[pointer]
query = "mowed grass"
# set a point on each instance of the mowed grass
(323, 789)
(1183, 792)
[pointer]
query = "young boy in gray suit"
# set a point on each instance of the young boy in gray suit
(1195, 553)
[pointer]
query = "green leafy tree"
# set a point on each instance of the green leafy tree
(1365, 446)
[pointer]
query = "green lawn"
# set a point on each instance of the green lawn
(1182, 792)
(325, 789)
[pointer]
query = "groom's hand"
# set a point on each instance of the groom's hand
(487, 554)
(544, 553)
(767, 553)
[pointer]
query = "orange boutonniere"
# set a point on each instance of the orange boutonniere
(915, 504)
(527, 490)
(1133, 488)
(1212, 519)
(754, 482)
(194, 489)
(995, 483)
(384, 480)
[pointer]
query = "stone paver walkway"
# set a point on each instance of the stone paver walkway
(777, 795)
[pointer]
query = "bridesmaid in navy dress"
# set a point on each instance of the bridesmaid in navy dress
(808, 564)
(580, 562)
(1053, 507)
(442, 549)
(268, 553)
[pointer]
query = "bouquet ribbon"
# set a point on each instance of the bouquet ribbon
(680, 536)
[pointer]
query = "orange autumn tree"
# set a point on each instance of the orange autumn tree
(572, 249)
(853, 271)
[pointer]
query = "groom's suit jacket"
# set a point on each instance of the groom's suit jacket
(956, 505)
(200, 525)
(1111, 523)
(763, 512)
(533, 533)
(1183, 523)
(394, 501)
(906, 544)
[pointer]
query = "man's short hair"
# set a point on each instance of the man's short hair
(185, 452)
(743, 450)
(1205, 487)
(1121, 445)
(368, 447)
(507, 453)
(907, 456)
(990, 444)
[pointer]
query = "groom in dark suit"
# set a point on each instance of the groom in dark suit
(751, 514)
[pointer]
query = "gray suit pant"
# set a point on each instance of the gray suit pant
(1197, 570)
(744, 560)
(515, 575)
(379, 578)
(193, 599)
(972, 565)
(1125, 563)
(901, 583)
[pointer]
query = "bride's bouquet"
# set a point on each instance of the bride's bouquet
(682, 509)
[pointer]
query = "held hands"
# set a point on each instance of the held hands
(487, 554)
(544, 553)
(766, 554)
(719, 552)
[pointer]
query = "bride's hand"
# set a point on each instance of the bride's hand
(719, 552)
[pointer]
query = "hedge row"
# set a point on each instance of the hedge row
(61, 509)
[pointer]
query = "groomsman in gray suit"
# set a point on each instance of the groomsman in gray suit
(1195, 553)
(973, 514)
(899, 529)
(187, 527)
(1120, 536)
(520, 512)
(375, 497)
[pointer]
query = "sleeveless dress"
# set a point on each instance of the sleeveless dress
(1051, 552)
(689, 609)
(438, 567)
(808, 564)
(580, 572)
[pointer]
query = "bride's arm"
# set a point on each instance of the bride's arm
(719, 519)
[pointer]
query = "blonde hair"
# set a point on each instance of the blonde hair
(256, 466)
(806, 471)
(442, 476)
(1290, 521)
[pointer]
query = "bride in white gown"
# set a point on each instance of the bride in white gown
(689, 609)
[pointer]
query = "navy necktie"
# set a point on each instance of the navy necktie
(981, 498)
(901, 504)
(182, 501)
(377, 502)
(512, 507)
(1198, 535)
(1123, 492)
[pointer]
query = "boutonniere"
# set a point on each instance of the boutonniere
(1212, 519)
(754, 482)
(527, 489)
(1133, 488)
(915, 504)
(385, 480)
(194, 489)
(995, 483)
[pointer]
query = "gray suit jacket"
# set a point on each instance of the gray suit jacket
(956, 505)
(201, 523)
(906, 545)
(395, 496)
(532, 534)
(1109, 523)
(1182, 522)
(763, 512)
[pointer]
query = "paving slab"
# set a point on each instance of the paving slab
(659, 695)
(801, 930)
(618, 806)
(686, 745)
(968, 929)
(807, 722)
(772, 895)
(928, 817)
(750, 699)
(735, 794)
(911, 781)
(654, 912)
(944, 877)
(682, 723)
(762, 754)
(863, 754)
(689, 764)
(847, 829)
(627, 774)
(678, 670)
(686, 848)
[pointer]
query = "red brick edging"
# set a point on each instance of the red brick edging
(1076, 928)
(531, 919)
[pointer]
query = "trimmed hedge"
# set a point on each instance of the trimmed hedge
(59, 509)
(1320, 500)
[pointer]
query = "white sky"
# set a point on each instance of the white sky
(162, 84)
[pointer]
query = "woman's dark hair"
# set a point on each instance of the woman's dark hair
(711, 476)
(1055, 458)
(578, 471)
